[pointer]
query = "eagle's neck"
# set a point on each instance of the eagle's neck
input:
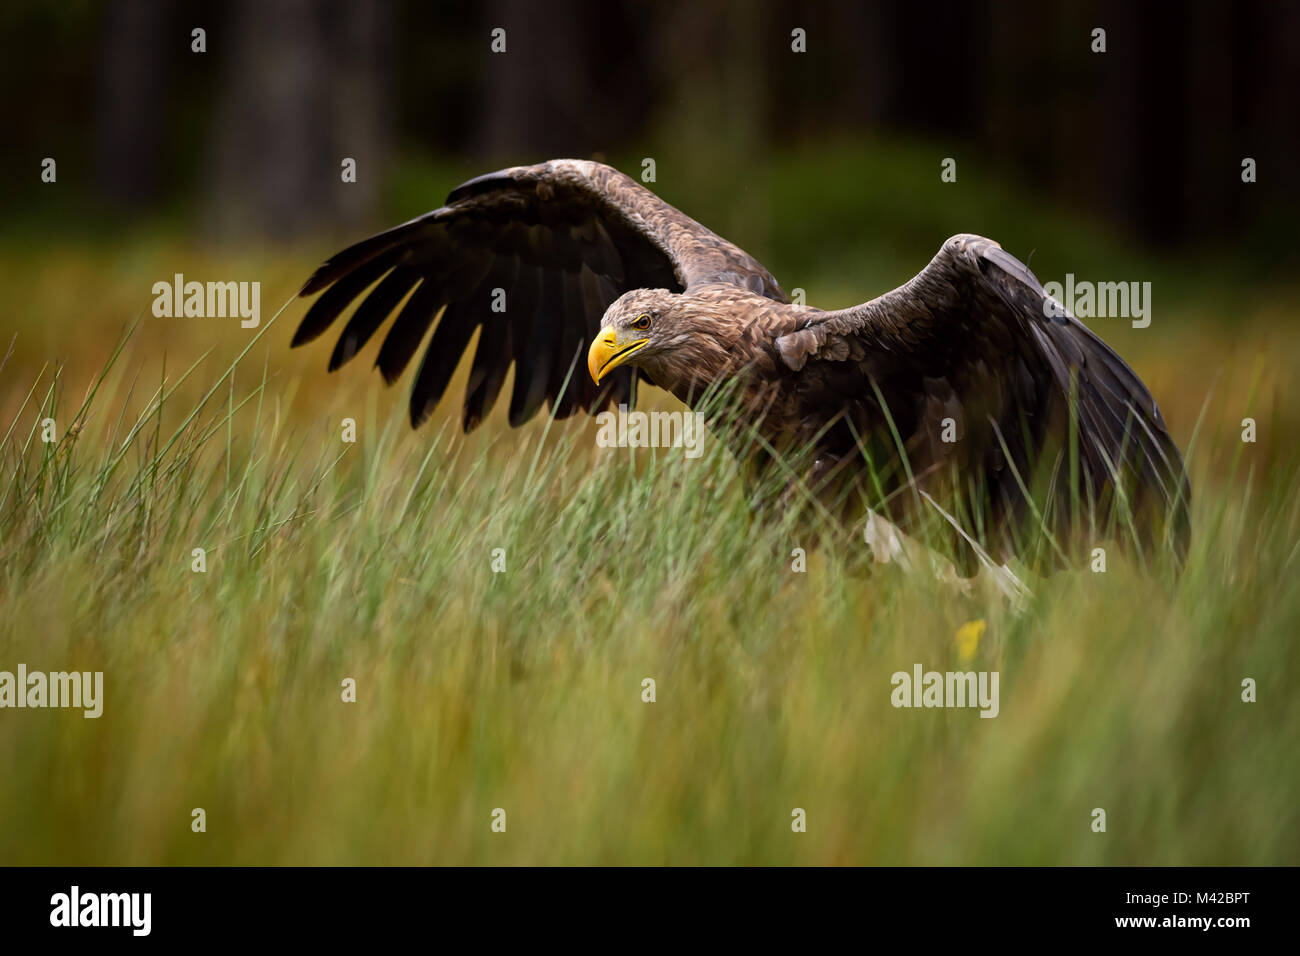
(721, 341)
(690, 367)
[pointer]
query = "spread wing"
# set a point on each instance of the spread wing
(1047, 423)
(533, 255)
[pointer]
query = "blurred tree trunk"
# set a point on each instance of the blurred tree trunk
(304, 87)
(361, 39)
(130, 98)
(710, 124)
(530, 89)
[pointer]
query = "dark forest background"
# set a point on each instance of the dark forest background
(246, 139)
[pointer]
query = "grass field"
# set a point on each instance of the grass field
(522, 690)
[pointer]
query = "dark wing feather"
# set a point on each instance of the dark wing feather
(562, 240)
(328, 307)
(972, 338)
(377, 306)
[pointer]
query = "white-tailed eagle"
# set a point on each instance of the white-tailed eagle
(961, 390)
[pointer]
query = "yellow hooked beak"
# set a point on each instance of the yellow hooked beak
(607, 354)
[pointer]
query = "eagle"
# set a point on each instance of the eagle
(966, 392)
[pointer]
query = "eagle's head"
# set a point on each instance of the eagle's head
(639, 327)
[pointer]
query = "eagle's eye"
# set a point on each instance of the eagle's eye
(642, 322)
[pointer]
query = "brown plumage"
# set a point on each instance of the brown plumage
(592, 264)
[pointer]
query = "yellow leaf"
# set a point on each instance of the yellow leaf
(968, 638)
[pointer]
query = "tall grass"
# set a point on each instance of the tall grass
(522, 690)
